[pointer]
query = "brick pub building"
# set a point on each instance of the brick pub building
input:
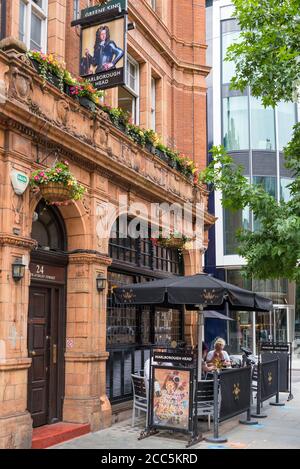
(66, 351)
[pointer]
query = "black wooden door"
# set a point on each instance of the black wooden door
(45, 347)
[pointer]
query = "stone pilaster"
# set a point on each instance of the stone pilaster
(85, 393)
(15, 421)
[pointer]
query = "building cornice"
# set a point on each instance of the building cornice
(90, 258)
(19, 241)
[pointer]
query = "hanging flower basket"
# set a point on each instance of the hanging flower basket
(55, 192)
(174, 241)
(57, 185)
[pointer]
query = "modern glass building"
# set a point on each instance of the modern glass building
(255, 136)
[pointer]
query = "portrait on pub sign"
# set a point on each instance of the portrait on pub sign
(102, 48)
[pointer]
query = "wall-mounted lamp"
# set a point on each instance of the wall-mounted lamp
(101, 283)
(18, 270)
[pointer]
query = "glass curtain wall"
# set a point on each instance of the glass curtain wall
(254, 134)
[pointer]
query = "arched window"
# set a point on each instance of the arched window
(141, 252)
(48, 228)
(132, 329)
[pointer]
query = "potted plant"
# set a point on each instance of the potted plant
(187, 167)
(57, 185)
(152, 140)
(118, 116)
(160, 151)
(136, 134)
(49, 68)
(173, 239)
(69, 82)
(87, 94)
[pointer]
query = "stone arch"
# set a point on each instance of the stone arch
(74, 216)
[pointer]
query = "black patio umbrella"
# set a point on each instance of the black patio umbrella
(196, 292)
(199, 289)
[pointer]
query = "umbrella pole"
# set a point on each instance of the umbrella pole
(200, 339)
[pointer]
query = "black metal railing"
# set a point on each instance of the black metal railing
(122, 362)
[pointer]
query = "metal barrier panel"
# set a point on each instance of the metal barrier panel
(235, 392)
(283, 367)
(269, 379)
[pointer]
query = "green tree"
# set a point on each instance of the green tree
(274, 250)
(267, 60)
(267, 56)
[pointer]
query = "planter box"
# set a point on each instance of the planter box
(36, 65)
(67, 90)
(121, 127)
(54, 80)
(172, 163)
(87, 103)
(50, 77)
(150, 148)
(162, 155)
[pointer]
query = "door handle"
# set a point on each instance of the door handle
(54, 354)
(32, 353)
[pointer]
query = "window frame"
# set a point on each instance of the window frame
(153, 102)
(134, 92)
(41, 13)
(76, 9)
(153, 5)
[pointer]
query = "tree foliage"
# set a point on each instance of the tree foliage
(267, 57)
(274, 250)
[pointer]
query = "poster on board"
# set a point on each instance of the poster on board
(171, 398)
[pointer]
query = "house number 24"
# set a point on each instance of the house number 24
(40, 269)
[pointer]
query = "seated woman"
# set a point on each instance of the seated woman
(206, 367)
(219, 357)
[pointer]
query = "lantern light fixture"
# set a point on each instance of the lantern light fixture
(18, 269)
(101, 283)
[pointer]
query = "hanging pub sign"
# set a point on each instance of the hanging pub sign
(103, 50)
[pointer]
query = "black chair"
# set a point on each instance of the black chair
(205, 399)
(140, 396)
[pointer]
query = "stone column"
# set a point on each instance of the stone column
(15, 243)
(57, 27)
(85, 388)
(145, 99)
(15, 420)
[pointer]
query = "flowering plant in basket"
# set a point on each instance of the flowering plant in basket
(84, 89)
(57, 184)
(173, 239)
(48, 63)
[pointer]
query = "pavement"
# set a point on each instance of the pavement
(296, 364)
(280, 430)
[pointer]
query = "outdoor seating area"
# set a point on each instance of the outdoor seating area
(181, 385)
